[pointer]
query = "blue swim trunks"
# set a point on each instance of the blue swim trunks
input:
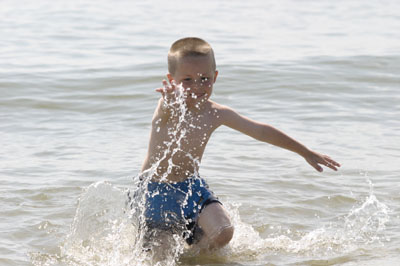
(177, 205)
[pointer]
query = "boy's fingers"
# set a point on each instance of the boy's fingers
(160, 90)
(331, 162)
(335, 163)
(314, 164)
(167, 87)
(165, 84)
(318, 168)
(331, 166)
(328, 162)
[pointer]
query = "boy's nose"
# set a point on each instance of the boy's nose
(198, 83)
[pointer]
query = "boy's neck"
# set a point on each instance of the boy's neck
(198, 108)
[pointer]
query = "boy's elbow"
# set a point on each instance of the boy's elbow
(262, 133)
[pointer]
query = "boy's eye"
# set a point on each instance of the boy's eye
(187, 79)
(204, 79)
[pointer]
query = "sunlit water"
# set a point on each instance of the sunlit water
(77, 82)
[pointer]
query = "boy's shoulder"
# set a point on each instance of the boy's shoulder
(227, 116)
(217, 106)
(221, 112)
(220, 108)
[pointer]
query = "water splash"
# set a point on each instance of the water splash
(102, 233)
(362, 228)
(368, 221)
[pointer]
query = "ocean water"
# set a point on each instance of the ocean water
(77, 81)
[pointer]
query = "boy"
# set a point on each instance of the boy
(182, 124)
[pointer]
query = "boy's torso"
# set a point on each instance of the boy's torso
(177, 143)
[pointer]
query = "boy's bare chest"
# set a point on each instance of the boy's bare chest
(190, 133)
(191, 129)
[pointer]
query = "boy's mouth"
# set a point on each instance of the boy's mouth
(197, 95)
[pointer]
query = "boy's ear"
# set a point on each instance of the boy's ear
(215, 76)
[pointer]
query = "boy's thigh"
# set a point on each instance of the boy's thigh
(214, 218)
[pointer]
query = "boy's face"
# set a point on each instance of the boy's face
(197, 77)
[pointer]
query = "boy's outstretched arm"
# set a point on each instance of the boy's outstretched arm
(266, 133)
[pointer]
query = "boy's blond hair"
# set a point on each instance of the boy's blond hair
(190, 46)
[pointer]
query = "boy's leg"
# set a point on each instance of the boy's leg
(216, 226)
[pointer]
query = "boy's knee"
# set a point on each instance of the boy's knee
(223, 237)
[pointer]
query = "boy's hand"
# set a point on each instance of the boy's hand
(168, 91)
(315, 159)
